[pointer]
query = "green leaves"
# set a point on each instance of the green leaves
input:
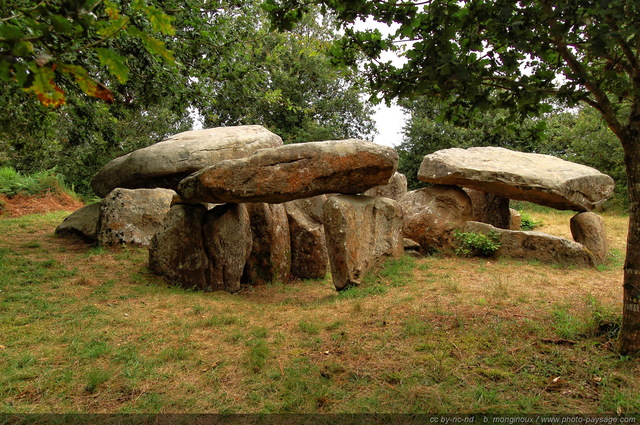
(44, 87)
(153, 45)
(114, 62)
(38, 40)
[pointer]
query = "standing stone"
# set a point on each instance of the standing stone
(165, 163)
(361, 232)
(270, 258)
(309, 258)
(132, 216)
(177, 251)
(227, 242)
(515, 223)
(587, 228)
(489, 208)
(395, 189)
(542, 179)
(432, 214)
(295, 171)
(82, 223)
(533, 245)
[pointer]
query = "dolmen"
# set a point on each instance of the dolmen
(225, 207)
(491, 176)
(241, 207)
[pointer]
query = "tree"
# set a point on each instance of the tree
(227, 65)
(41, 42)
(285, 82)
(515, 55)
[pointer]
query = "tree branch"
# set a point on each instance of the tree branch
(602, 102)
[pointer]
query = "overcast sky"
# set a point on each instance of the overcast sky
(389, 120)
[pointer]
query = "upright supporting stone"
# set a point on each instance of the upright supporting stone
(515, 223)
(490, 208)
(227, 241)
(309, 258)
(395, 189)
(587, 228)
(177, 251)
(361, 232)
(432, 214)
(132, 216)
(270, 259)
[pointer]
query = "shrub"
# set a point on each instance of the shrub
(13, 183)
(528, 222)
(477, 244)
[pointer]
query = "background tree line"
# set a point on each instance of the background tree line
(226, 68)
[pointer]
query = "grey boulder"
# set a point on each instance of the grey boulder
(533, 245)
(82, 223)
(132, 216)
(587, 228)
(395, 189)
(165, 163)
(541, 179)
(361, 231)
(292, 172)
(432, 214)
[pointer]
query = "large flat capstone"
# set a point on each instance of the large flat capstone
(541, 179)
(293, 172)
(165, 163)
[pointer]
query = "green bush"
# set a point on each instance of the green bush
(12, 182)
(528, 222)
(477, 244)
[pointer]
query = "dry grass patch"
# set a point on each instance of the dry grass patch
(91, 330)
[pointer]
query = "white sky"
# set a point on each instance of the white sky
(389, 120)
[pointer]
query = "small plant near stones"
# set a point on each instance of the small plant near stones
(477, 244)
(528, 222)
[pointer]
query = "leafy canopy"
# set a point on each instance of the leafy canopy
(495, 53)
(42, 42)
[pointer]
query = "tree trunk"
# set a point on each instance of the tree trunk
(630, 333)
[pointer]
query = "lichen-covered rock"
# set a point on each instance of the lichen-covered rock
(82, 223)
(395, 189)
(533, 245)
(542, 179)
(432, 214)
(295, 171)
(227, 242)
(270, 258)
(177, 251)
(202, 249)
(132, 216)
(165, 163)
(587, 228)
(309, 258)
(361, 232)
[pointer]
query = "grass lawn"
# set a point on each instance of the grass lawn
(85, 329)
